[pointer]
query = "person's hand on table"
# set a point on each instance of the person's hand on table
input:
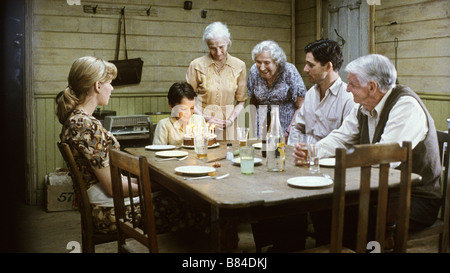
(299, 154)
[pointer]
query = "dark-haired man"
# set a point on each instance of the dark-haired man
(326, 103)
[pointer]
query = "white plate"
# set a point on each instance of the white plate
(237, 160)
(172, 153)
(310, 181)
(257, 145)
(192, 147)
(195, 169)
(327, 162)
(160, 147)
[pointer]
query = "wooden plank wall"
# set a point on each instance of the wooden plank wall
(167, 41)
(421, 27)
(305, 33)
(423, 55)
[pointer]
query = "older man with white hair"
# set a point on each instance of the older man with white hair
(389, 113)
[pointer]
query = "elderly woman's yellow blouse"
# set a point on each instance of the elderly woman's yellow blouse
(216, 90)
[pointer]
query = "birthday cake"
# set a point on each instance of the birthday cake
(192, 129)
(188, 139)
(212, 139)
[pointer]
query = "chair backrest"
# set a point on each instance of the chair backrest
(444, 151)
(79, 185)
(151, 131)
(141, 224)
(366, 156)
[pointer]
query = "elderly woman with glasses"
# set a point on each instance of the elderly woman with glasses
(274, 81)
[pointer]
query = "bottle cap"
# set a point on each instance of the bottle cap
(229, 144)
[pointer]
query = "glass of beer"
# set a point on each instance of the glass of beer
(201, 145)
(242, 134)
(305, 140)
(304, 148)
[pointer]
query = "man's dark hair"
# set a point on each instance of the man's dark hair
(178, 91)
(326, 50)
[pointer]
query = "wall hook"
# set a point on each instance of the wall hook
(187, 5)
(203, 13)
(342, 39)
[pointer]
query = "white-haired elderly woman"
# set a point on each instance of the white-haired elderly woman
(274, 81)
(219, 80)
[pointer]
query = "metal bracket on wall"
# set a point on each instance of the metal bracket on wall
(340, 37)
(395, 55)
(150, 11)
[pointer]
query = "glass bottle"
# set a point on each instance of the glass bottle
(275, 143)
(264, 126)
(230, 155)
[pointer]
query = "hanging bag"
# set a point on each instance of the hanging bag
(129, 71)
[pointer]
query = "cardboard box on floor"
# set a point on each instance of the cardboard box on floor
(60, 193)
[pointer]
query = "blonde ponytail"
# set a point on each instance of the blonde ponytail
(83, 74)
(66, 102)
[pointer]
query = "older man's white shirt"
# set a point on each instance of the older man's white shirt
(406, 122)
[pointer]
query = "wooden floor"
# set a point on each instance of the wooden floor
(52, 232)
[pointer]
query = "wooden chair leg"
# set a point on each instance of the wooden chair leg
(389, 241)
(87, 245)
(444, 242)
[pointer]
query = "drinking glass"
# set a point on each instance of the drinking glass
(246, 155)
(201, 145)
(313, 149)
(242, 135)
(305, 140)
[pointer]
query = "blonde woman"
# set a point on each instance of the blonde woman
(89, 85)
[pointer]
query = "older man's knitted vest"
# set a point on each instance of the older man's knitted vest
(425, 154)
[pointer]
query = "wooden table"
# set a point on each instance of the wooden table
(243, 198)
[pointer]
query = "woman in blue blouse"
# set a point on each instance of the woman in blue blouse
(274, 81)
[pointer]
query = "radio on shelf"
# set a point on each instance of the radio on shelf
(128, 127)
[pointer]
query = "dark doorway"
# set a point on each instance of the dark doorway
(12, 182)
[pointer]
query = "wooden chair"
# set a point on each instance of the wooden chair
(152, 126)
(151, 131)
(89, 237)
(441, 226)
(140, 226)
(365, 156)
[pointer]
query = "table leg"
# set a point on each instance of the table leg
(224, 235)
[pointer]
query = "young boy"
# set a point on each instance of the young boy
(171, 130)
